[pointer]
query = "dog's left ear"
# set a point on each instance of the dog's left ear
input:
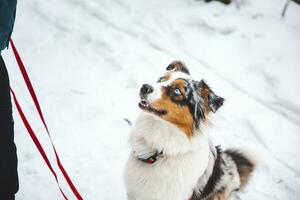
(178, 66)
(212, 101)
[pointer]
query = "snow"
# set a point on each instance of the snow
(87, 60)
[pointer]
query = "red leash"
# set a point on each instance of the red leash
(35, 140)
(31, 132)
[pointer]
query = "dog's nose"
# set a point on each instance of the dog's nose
(146, 89)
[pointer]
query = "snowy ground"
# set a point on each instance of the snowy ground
(87, 60)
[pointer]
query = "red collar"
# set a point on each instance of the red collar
(152, 159)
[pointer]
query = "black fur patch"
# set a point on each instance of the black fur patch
(194, 106)
(244, 165)
(215, 102)
(215, 177)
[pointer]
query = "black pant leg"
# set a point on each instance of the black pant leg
(9, 183)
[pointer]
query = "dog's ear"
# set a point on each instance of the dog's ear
(178, 66)
(212, 101)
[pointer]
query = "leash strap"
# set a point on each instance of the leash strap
(31, 132)
(36, 141)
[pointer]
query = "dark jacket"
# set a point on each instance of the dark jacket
(9, 184)
(7, 20)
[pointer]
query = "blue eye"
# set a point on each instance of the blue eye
(177, 91)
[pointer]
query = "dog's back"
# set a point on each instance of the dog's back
(230, 173)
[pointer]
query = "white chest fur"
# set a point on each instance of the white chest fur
(172, 177)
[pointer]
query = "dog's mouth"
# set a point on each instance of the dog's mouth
(144, 105)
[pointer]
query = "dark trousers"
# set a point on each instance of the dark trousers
(9, 183)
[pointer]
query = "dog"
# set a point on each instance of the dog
(172, 156)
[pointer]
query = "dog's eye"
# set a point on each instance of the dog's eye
(177, 92)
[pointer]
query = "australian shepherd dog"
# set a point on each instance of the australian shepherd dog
(172, 156)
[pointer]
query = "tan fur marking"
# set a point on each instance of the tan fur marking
(219, 196)
(223, 195)
(204, 93)
(164, 78)
(245, 172)
(167, 76)
(176, 114)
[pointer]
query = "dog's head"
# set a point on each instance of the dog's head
(178, 99)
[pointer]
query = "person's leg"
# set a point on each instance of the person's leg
(9, 184)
